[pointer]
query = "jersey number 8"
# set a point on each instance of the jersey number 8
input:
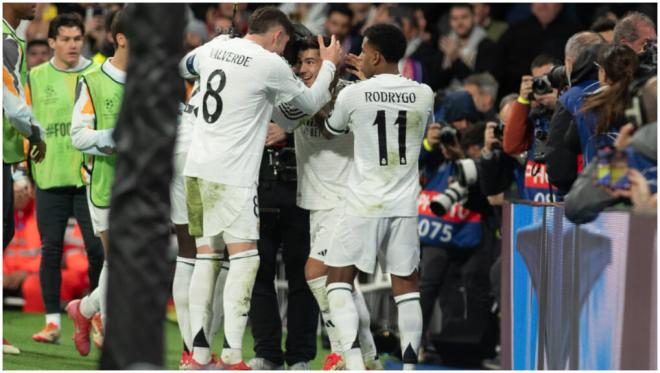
(215, 95)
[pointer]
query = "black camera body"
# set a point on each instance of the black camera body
(648, 59)
(555, 79)
(498, 131)
(448, 135)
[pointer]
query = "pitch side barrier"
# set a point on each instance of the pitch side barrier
(578, 296)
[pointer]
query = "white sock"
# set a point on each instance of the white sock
(317, 287)
(243, 269)
(410, 327)
(218, 310)
(367, 344)
(345, 317)
(200, 295)
(54, 318)
(103, 292)
(91, 303)
(180, 293)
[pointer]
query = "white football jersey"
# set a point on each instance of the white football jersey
(388, 115)
(323, 164)
(187, 116)
(240, 82)
(323, 167)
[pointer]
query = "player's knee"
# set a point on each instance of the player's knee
(405, 284)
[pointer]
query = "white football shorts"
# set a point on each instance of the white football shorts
(99, 216)
(364, 242)
(179, 211)
(322, 224)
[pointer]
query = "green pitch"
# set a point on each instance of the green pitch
(18, 328)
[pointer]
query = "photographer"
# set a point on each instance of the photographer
(498, 171)
(562, 155)
(527, 126)
(456, 242)
(626, 172)
(602, 113)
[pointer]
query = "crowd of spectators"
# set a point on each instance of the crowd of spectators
(528, 96)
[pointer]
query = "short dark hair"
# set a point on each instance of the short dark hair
(65, 20)
(118, 25)
(35, 43)
(462, 5)
(267, 17)
(544, 59)
(341, 9)
(388, 40)
(602, 24)
(312, 43)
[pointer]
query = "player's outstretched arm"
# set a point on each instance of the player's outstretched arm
(83, 135)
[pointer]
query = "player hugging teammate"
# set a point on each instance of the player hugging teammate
(357, 148)
(357, 174)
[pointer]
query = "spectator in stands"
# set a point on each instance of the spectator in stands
(634, 30)
(563, 147)
(338, 23)
(494, 28)
(604, 26)
(37, 52)
(543, 32)
(466, 50)
(483, 89)
(527, 127)
(361, 13)
(195, 32)
(417, 62)
(312, 16)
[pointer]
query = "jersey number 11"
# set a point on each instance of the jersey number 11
(382, 136)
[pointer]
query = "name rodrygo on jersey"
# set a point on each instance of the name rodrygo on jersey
(388, 115)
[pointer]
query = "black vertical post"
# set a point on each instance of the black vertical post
(140, 212)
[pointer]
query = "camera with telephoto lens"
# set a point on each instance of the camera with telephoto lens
(448, 135)
(555, 79)
(457, 192)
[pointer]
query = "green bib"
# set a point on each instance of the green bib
(106, 95)
(53, 94)
(12, 140)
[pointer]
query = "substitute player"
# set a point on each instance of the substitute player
(241, 80)
(98, 102)
(17, 119)
(323, 167)
(387, 114)
(60, 191)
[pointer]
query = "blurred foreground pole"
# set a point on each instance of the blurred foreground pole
(140, 213)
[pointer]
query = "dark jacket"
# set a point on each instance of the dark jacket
(563, 139)
(525, 40)
(487, 61)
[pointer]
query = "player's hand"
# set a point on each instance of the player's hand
(275, 134)
(433, 134)
(353, 64)
(38, 151)
(526, 86)
(332, 52)
(489, 136)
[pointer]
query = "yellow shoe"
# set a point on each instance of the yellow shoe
(49, 334)
(97, 330)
